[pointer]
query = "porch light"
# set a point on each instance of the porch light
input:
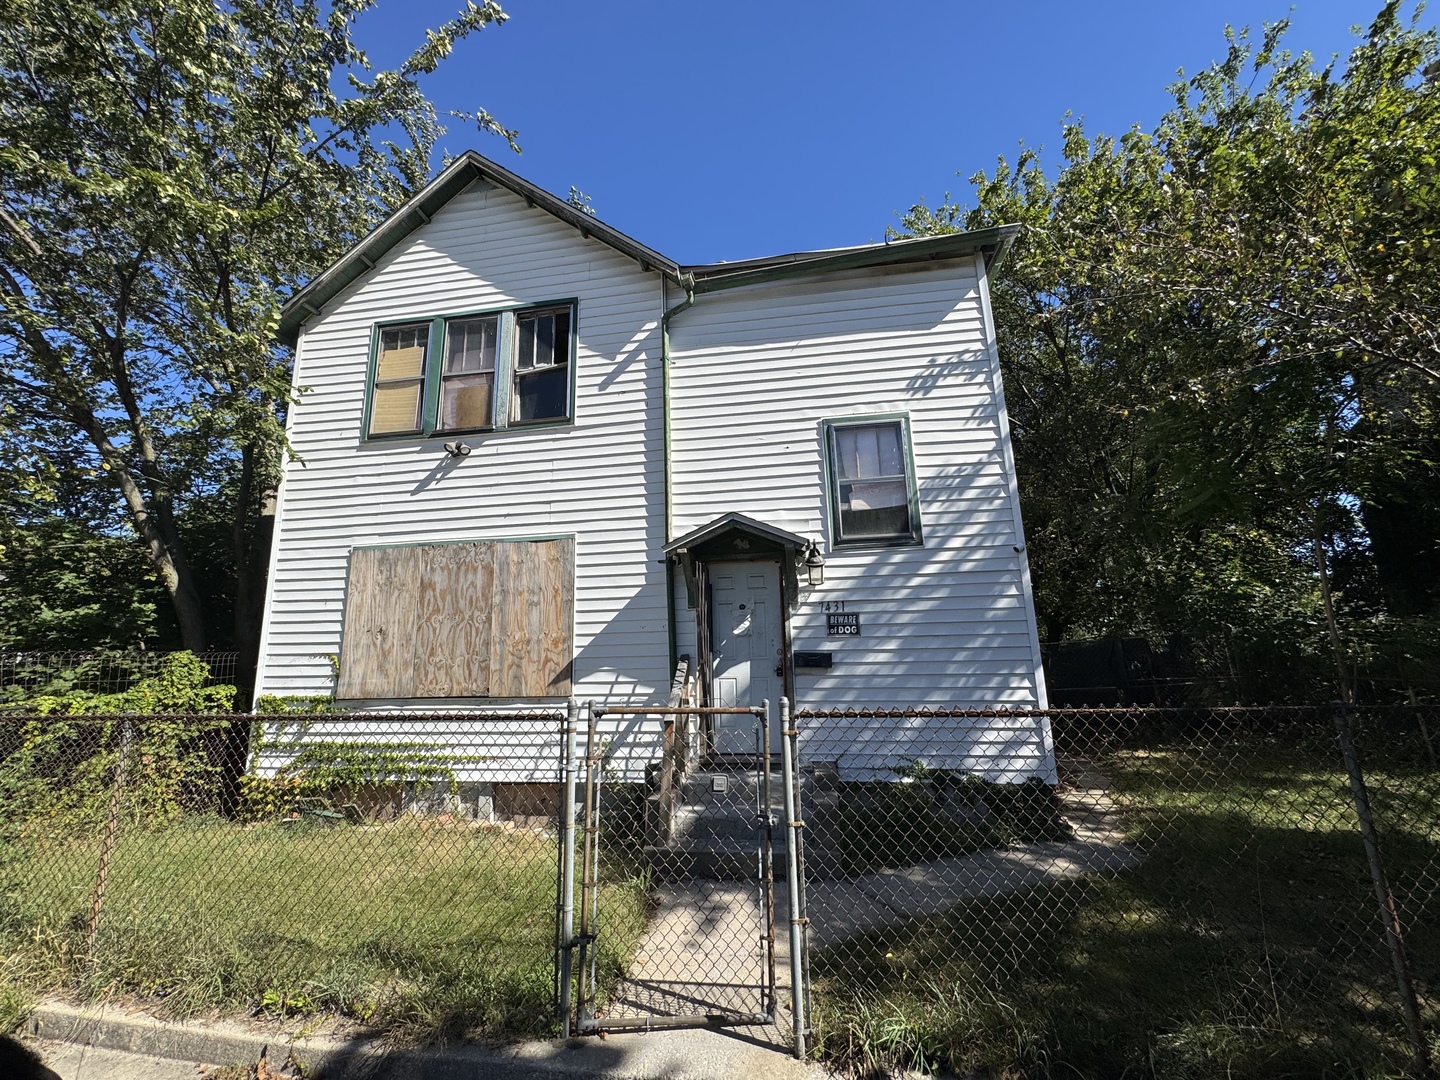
(814, 564)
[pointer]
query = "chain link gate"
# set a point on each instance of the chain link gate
(694, 833)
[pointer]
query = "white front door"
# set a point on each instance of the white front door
(746, 650)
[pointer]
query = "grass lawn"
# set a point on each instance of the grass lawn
(1247, 943)
(419, 928)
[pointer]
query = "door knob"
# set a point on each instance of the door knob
(779, 671)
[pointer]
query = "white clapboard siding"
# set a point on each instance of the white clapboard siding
(600, 480)
(756, 370)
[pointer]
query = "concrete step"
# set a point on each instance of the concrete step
(714, 828)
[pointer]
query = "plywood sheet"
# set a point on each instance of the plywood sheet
(485, 619)
(377, 654)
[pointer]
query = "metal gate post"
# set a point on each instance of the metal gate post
(766, 821)
(589, 879)
(792, 864)
(567, 868)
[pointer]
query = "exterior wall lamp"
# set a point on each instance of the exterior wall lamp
(457, 449)
(814, 564)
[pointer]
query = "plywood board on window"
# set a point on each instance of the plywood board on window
(377, 657)
(486, 619)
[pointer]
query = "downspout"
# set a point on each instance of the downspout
(688, 284)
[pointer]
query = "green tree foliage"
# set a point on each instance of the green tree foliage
(170, 172)
(1220, 345)
(59, 767)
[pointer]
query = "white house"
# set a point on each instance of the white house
(536, 460)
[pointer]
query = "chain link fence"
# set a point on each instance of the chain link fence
(28, 674)
(398, 870)
(1148, 892)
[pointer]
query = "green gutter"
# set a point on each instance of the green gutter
(993, 243)
(688, 284)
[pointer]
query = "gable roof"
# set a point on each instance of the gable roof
(469, 167)
(410, 216)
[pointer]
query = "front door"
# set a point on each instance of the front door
(746, 651)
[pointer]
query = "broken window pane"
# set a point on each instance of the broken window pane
(542, 366)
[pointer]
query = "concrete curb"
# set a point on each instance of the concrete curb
(675, 1055)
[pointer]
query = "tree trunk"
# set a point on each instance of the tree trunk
(154, 522)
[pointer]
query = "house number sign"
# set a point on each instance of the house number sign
(842, 624)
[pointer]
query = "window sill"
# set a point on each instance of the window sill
(419, 437)
(877, 542)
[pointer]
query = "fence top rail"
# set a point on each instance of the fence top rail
(488, 716)
(1100, 712)
(662, 710)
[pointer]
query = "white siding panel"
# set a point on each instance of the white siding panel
(600, 479)
(755, 372)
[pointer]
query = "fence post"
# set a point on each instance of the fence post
(107, 842)
(1409, 1005)
(567, 867)
(792, 865)
(766, 822)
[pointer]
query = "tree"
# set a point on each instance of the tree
(1219, 341)
(170, 172)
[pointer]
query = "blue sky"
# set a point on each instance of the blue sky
(723, 131)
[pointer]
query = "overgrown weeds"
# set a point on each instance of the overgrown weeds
(421, 929)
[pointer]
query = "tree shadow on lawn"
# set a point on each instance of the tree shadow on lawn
(1234, 950)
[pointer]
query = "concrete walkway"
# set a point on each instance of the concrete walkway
(701, 952)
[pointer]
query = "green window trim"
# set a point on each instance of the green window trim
(433, 376)
(828, 430)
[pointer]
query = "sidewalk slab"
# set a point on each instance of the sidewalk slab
(699, 1054)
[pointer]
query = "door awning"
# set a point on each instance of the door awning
(735, 536)
(743, 527)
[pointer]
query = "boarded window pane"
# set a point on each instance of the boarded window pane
(465, 401)
(395, 409)
(470, 345)
(402, 352)
(490, 619)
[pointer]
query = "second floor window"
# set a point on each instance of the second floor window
(399, 397)
(467, 389)
(488, 371)
(542, 366)
(872, 483)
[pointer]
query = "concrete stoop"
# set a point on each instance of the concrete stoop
(728, 1054)
(713, 834)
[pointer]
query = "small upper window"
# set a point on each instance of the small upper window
(542, 366)
(872, 487)
(467, 387)
(399, 380)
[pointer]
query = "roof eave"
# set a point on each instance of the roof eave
(993, 243)
(736, 521)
